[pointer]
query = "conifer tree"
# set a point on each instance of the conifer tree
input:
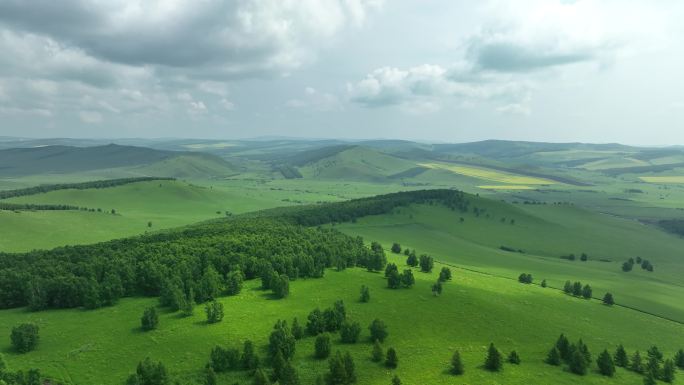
(605, 364)
(650, 379)
(365, 294)
(378, 353)
(621, 358)
(297, 330)
(391, 359)
(563, 346)
(679, 359)
(568, 287)
(493, 361)
(349, 368)
(260, 378)
(608, 299)
(543, 283)
(514, 358)
(396, 380)
(289, 375)
(378, 330)
(322, 346)
(668, 371)
(586, 292)
(456, 364)
(637, 364)
(578, 363)
(553, 357)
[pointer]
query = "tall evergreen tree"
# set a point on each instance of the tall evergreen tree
(493, 361)
(349, 332)
(322, 346)
(426, 263)
(289, 375)
(407, 279)
(396, 380)
(249, 359)
(393, 279)
(456, 364)
(391, 359)
(605, 364)
(412, 260)
(679, 359)
(278, 362)
(563, 346)
(349, 367)
(637, 364)
(650, 379)
(668, 374)
(608, 299)
(577, 289)
(621, 358)
(554, 357)
(396, 248)
(567, 288)
(514, 358)
(149, 319)
(378, 330)
(578, 363)
(365, 294)
(543, 283)
(378, 353)
(297, 330)
(390, 268)
(260, 377)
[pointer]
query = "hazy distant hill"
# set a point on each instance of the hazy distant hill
(142, 160)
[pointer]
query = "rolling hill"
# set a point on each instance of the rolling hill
(112, 158)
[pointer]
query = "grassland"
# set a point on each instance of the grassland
(488, 174)
(475, 309)
(507, 187)
(678, 179)
(544, 233)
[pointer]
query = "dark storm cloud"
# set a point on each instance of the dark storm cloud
(513, 57)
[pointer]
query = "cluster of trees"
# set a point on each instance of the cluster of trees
(78, 186)
(224, 359)
(149, 372)
(571, 257)
(395, 280)
(195, 264)
(645, 264)
(350, 210)
(576, 356)
(328, 320)
(576, 289)
(32, 206)
(653, 366)
(525, 278)
(493, 362)
(31, 377)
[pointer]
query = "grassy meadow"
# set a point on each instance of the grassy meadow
(473, 310)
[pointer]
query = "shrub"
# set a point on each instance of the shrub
(149, 319)
(214, 310)
(322, 346)
(25, 337)
(378, 330)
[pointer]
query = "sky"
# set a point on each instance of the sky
(428, 70)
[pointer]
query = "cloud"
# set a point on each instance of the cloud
(423, 88)
(90, 117)
(315, 100)
(210, 38)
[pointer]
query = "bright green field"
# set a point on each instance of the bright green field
(103, 346)
(544, 232)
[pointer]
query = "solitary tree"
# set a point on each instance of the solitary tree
(149, 319)
(322, 346)
(378, 330)
(568, 287)
(426, 263)
(637, 364)
(605, 364)
(456, 364)
(396, 248)
(514, 358)
(297, 330)
(349, 332)
(621, 358)
(412, 259)
(679, 359)
(445, 274)
(391, 360)
(543, 283)
(608, 299)
(437, 288)
(393, 279)
(553, 358)
(378, 353)
(214, 310)
(396, 380)
(668, 371)
(493, 361)
(578, 363)
(24, 337)
(365, 294)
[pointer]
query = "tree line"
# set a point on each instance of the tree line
(196, 264)
(78, 186)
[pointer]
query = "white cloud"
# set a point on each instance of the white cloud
(315, 100)
(90, 117)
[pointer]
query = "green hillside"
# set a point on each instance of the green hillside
(544, 233)
(356, 163)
